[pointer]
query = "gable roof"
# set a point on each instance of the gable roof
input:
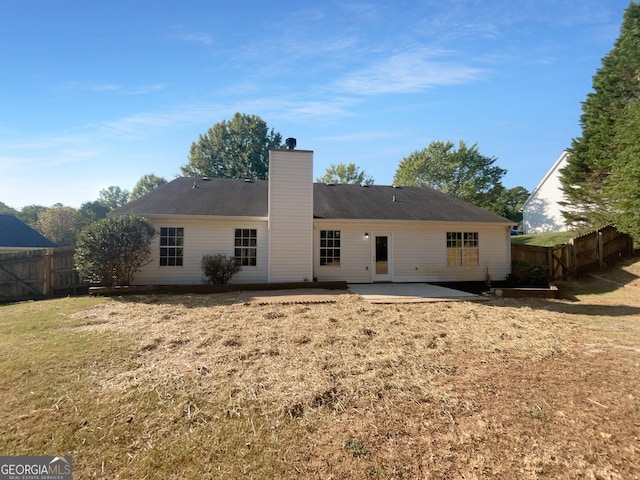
(554, 170)
(17, 234)
(378, 202)
(232, 197)
(228, 197)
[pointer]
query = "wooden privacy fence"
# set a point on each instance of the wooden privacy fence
(583, 253)
(38, 273)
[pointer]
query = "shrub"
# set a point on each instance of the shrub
(219, 268)
(112, 250)
(530, 274)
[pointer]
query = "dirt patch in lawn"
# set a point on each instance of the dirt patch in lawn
(510, 388)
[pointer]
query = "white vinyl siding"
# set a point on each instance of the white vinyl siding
(542, 211)
(290, 215)
(419, 252)
(205, 236)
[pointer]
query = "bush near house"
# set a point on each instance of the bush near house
(529, 274)
(111, 251)
(219, 268)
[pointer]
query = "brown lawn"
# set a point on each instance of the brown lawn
(204, 387)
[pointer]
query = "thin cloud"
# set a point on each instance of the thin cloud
(113, 88)
(303, 111)
(408, 73)
(195, 113)
(145, 89)
(196, 37)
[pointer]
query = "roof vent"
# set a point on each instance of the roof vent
(290, 143)
(206, 179)
(330, 184)
(248, 180)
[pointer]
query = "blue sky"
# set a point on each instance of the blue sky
(99, 93)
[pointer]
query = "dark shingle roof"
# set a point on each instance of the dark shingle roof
(376, 202)
(227, 197)
(17, 234)
(231, 197)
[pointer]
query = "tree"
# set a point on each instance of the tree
(586, 180)
(7, 210)
(91, 212)
(342, 173)
(111, 251)
(238, 148)
(113, 197)
(624, 185)
(463, 173)
(58, 224)
(509, 203)
(146, 184)
(29, 214)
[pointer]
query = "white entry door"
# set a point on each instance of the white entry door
(382, 257)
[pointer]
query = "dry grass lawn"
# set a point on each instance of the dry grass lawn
(192, 387)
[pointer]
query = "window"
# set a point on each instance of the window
(462, 248)
(246, 246)
(171, 246)
(330, 248)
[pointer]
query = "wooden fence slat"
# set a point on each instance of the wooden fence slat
(38, 273)
(582, 253)
(20, 281)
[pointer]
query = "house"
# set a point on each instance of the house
(16, 236)
(288, 229)
(541, 212)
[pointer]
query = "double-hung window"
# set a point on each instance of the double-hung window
(330, 248)
(246, 247)
(171, 246)
(462, 248)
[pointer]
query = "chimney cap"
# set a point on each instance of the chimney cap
(290, 143)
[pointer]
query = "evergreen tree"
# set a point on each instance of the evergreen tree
(624, 185)
(586, 180)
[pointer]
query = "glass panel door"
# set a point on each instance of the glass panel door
(382, 255)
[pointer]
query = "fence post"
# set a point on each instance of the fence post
(600, 249)
(47, 267)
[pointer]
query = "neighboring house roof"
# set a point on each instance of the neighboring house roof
(554, 172)
(16, 234)
(542, 211)
(232, 197)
